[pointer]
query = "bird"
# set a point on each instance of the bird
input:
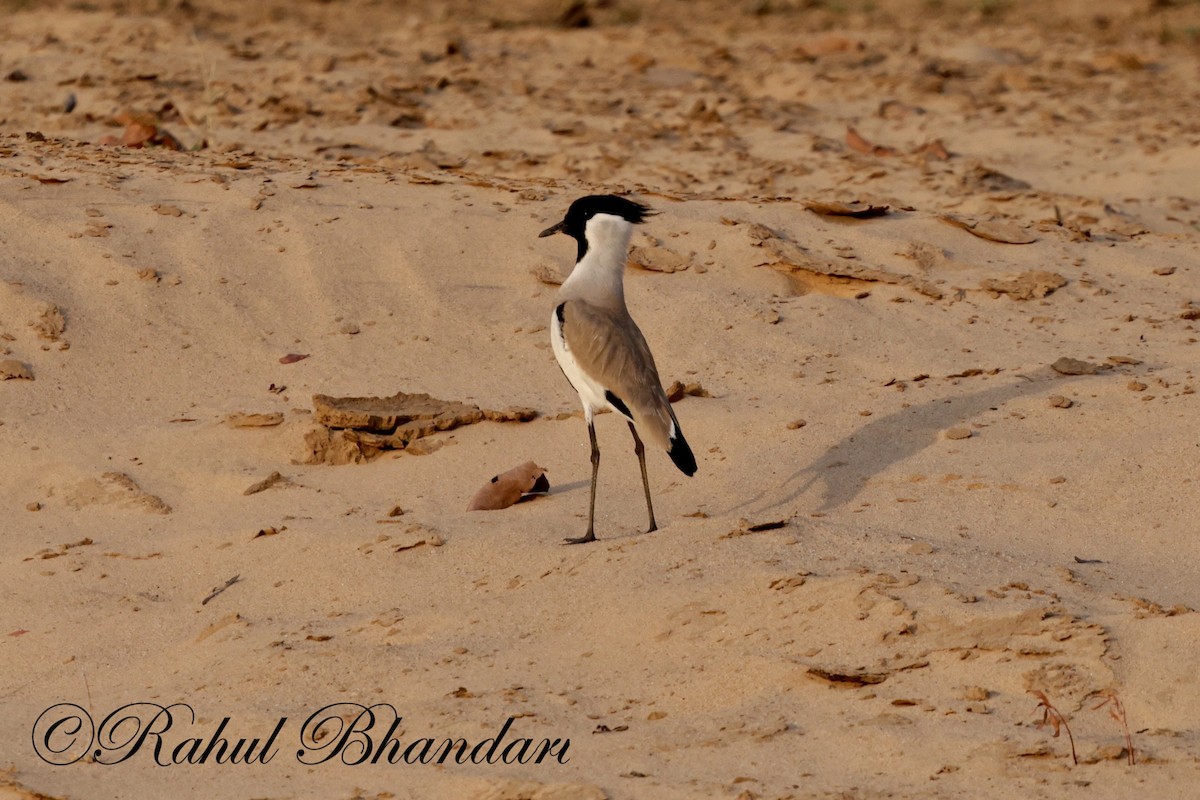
(599, 347)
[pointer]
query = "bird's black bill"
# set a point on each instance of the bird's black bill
(553, 229)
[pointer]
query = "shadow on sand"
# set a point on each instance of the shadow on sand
(847, 466)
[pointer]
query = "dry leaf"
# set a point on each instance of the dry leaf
(856, 142)
(242, 419)
(137, 134)
(991, 229)
(507, 488)
(292, 358)
(848, 678)
(836, 208)
(678, 390)
(934, 149)
(266, 483)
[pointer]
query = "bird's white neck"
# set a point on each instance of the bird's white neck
(599, 276)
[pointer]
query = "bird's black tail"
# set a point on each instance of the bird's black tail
(681, 454)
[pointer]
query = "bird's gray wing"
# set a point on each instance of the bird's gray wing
(609, 347)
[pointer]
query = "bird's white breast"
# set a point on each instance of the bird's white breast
(591, 393)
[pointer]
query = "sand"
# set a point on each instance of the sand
(880, 226)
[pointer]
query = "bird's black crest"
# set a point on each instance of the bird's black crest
(574, 224)
(587, 207)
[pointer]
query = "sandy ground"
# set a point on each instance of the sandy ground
(959, 524)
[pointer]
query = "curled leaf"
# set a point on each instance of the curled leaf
(993, 230)
(835, 208)
(510, 487)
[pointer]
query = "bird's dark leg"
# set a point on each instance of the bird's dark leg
(590, 536)
(640, 449)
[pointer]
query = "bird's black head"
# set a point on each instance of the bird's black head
(574, 224)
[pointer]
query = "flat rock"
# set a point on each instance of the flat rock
(11, 369)
(658, 259)
(1073, 366)
(385, 414)
(351, 430)
(1031, 285)
(114, 489)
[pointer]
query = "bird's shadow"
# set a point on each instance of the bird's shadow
(847, 466)
(563, 488)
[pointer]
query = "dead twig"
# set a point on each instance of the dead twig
(1116, 710)
(220, 589)
(1054, 718)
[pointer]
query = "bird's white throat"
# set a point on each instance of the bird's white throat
(599, 275)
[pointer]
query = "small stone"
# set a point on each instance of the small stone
(1058, 479)
(1073, 366)
(1058, 401)
(34, 506)
(1164, 271)
(395, 511)
(920, 549)
(796, 424)
(349, 328)
(958, 433)
(423, 447)
(976, 693)
(1136, 386)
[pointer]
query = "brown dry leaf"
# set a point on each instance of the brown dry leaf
(856, 142)
(934, 149)
(848, 677)
(137, 134)
(274, 479)
(678, 390)
(994, 230)
(242, 419)
(507, 488)
(836, 208)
